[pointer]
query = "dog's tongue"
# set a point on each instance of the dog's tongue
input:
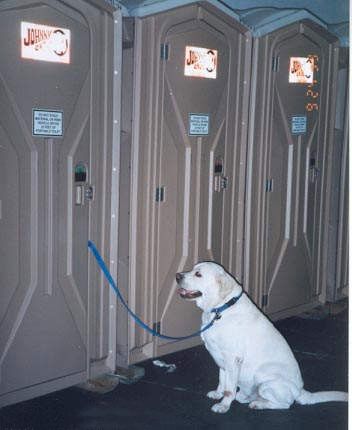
(188, 294)
(181, 291)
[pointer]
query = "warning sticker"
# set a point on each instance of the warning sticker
(47, 123)
(45, 43)
(198, 124)
(299, 124)
(201, 62)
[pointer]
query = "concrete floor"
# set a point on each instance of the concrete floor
(168, 401)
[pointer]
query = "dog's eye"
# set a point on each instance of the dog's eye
(198, 274)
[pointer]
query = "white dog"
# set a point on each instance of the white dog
(256, 364)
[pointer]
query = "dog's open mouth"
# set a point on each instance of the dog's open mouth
(186, 294)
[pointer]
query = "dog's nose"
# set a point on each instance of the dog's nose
(179, 277)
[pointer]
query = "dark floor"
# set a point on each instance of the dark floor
(177, 400)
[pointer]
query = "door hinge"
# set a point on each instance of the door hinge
(275, 64)
(157, 327)
(160, 194)
(269, 186)
(265, 298)
(164, 51)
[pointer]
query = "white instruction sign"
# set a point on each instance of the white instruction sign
(198, 124)
(299, 124)
(47, 123)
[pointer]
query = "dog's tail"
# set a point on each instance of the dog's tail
(307, 398)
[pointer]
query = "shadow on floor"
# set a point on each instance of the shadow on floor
(176, 400)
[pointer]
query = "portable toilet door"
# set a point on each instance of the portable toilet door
(184, 164)
(54, 147)
(289, 174)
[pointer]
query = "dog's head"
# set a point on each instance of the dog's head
(208, 284)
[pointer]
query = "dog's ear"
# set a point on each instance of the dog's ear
(226, 284)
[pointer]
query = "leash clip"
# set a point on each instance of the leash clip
(217, 316)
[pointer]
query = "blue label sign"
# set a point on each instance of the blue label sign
(198, 124)
(299, 124)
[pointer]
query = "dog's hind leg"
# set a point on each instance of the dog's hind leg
(276, 394)
(243, 398)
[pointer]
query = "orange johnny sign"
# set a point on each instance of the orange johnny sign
(301, 70)
(201, 62)
(45, 43)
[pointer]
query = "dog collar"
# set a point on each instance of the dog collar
(228, 304)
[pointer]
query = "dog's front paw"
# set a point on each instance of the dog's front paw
(220, 408)
(215, 395)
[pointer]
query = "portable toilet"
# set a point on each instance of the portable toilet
(56, 128)
(338, 257)
(291, 135)
(183, 160)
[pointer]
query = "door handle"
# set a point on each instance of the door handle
(314, 174)
(89, 192)
(313, 170)
(220, 183)
(84, 193)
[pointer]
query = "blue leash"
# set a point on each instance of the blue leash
(113, 285)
